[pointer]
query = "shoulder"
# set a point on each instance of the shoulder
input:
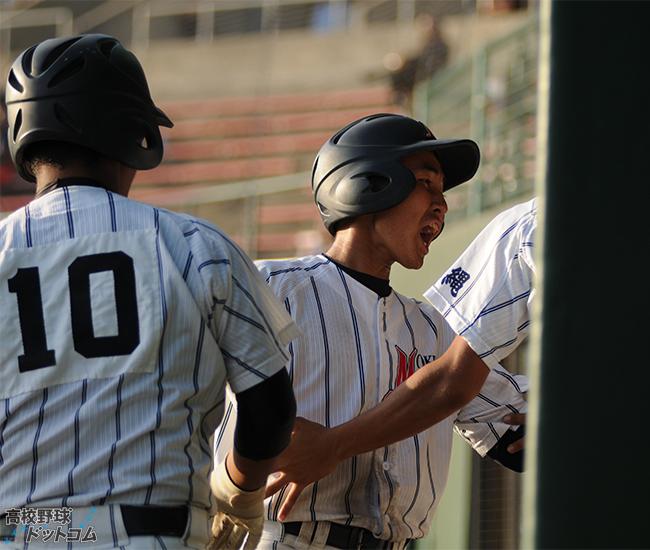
(414, 307)
(290, 268)
(15, 217)
(202, 236)
(184, 222)
(286, 274)
(11, 229)
(520, 210)
(521, 218)
(502, 238)
(206, 247)
(521, 222)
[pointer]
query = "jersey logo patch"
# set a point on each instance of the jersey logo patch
(456, 278)
(406, 364)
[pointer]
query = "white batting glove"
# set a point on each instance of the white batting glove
(239, 513)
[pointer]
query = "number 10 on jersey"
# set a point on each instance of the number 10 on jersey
(26, 284)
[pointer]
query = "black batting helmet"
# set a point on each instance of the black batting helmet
(359, 170)
(88, 90)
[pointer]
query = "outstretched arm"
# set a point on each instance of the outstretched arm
(434, 392)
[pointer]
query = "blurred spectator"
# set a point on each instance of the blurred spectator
(432, 56)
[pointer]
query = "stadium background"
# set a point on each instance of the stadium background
(255, 86)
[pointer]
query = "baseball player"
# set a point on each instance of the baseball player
(486, 297)
(121, 325)
(379, 185)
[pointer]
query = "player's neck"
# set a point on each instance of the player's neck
(352, 250)
(112, 176)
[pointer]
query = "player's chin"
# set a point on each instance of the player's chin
(412, 261)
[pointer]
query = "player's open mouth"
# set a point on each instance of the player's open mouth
(427, 234)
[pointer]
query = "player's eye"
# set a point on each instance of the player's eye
(428, 183)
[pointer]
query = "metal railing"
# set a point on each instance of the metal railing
(492, 98)
(201, 16)
(59, 18)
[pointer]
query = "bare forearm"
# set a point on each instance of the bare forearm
(415, 405)
(433, 393)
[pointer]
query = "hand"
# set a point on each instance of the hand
(310, 456)
(239, 513)
(516, 420)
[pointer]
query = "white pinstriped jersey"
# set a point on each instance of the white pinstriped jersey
(120, 324)
(486, 295)
(355, 347)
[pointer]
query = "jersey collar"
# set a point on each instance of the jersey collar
(377, 285)
(67, 182)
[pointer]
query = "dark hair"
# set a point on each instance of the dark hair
(58, 154)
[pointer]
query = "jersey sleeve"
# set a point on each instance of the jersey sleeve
(486, 294)
(250, 325)
(479, 422)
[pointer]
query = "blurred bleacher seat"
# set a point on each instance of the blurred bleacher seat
(259, 141)
(247, 139)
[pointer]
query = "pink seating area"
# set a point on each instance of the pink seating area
(230, 139)
(285, 103)
(238, 138)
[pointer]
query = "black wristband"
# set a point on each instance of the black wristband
(513, 461)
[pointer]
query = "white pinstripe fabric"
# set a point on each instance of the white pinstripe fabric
(128, 436)
(345, 362)
(491, 309)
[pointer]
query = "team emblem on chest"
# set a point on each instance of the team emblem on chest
(406, 364)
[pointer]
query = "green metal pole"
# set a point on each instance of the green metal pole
(589, 474)
(477, 123)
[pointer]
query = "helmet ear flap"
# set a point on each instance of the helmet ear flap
(362, 188)
(357, 188)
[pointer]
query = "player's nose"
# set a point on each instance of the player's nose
(439, 204)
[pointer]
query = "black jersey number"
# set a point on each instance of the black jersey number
(27, 287)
